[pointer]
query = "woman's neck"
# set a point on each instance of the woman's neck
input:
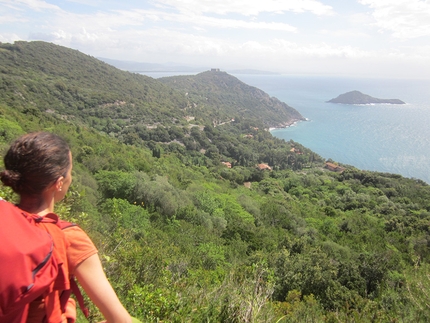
(36, 205)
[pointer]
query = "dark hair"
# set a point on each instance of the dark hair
(34, 161)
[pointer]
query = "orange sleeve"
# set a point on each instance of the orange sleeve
(81, 247)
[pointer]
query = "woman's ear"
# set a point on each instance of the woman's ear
(59, 183)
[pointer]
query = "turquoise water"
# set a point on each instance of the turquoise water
(383, 137)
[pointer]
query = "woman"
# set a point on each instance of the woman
(38, 167)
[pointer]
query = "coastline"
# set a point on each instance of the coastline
(392, 138)
(288, 124)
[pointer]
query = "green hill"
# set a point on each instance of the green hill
(213, 220)
(232, 98)
(71, 84)
(68, 83)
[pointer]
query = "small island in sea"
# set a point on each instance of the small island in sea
(356, 97)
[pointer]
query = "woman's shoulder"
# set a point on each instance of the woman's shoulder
(73, 230)
(80, 246)
(76, 236)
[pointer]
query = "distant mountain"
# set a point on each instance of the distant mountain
(356, 97)
(132, 66)
(253, 72)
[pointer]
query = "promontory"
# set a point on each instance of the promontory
(356, 97)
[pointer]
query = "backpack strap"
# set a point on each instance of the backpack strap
(77, 292)
(60, 249)
(74, 288)
(67, 283)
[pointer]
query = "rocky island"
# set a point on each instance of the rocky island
(356, 97)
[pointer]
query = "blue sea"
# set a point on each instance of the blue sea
(381, 137)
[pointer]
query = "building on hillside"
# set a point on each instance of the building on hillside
(297, 151)
(264, 167)
(334, 168)
(215, 70)
(228, 164)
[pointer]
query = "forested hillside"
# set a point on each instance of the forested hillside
(189, 228)
(225, 91)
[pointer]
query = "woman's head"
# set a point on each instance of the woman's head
(36, 161)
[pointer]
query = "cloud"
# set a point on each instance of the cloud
(93, 3)
(271, 34)
(37, 5)
(49, 37)
(345, 33)
(247, 7)
(223, 23)
(314, 50)
(9, 37)
(404, 19)
(6, 19)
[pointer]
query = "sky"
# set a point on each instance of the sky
(376, 38)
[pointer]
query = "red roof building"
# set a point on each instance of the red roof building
(263, 167)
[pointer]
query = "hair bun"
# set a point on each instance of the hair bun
(10, 178)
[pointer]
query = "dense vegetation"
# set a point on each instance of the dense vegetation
(183, 238)
(224, 92)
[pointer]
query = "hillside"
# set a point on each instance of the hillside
(67, 83)
(233, 98)
(356, 97)
(73, 85)
(205, 221)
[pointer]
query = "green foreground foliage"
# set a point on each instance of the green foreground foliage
(183, 238)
